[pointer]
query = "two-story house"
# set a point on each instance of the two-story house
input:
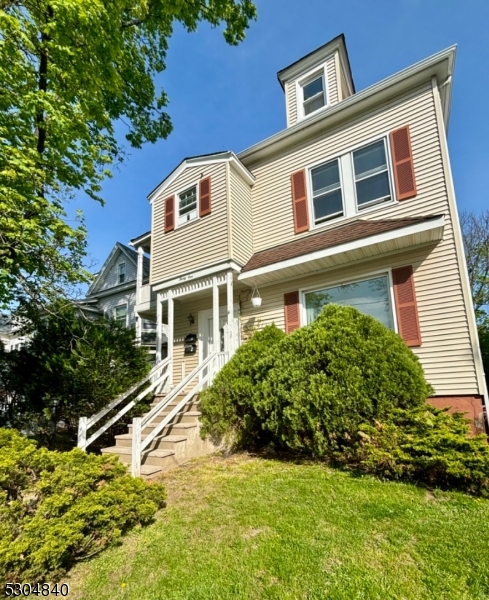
(353, 203)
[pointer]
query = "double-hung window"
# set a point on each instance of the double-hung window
(313, 94)
(327, 198)
(120, 314)
(122, 272)
(370, 296)
(371, 174)
(187, 206)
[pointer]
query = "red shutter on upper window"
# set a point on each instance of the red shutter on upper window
(406, 307)
(204, 197)
(402, 155)
(299, 201)
(292, 311)
(170, 214)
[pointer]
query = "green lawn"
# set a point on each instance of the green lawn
(247, 527)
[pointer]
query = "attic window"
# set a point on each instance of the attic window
(313, 96)
(122, 272)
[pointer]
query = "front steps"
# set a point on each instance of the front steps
(178, 442)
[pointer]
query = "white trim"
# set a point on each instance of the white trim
(459, 246)
(379, 92)
(201, 162)
(138, 242)
(345, 280)
(203, 316)
(303, 80)
(368, 241)
(184, 190)
(188, 275)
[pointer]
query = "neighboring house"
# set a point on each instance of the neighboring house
(113, 293)
(353, 202)
(10, 335)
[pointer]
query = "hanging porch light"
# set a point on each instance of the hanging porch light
(255, 297)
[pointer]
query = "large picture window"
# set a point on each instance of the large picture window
(370, 296)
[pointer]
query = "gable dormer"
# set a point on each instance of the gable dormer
(316, 81)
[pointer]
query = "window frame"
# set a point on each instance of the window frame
(310, 193)
(187, 188)
(309, 77)
(121, 264)
(388, 161)
(348, 183)
(348, 280)
(124, 304)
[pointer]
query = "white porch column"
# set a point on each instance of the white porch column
(170, 334)
(216, 342)
(139, 275)
(159, 326)
(229, 339)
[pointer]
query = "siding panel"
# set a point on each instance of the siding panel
(241, 219)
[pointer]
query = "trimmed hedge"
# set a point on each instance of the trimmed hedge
(424, 445)
(311, 390)
(57, 508)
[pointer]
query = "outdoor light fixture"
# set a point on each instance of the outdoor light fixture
(255, 297)
(191, 319)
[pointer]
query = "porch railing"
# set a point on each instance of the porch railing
(202, 375)
(157, 377)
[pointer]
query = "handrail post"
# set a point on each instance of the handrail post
(82, 433)
(136, 447)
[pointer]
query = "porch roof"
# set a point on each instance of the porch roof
(356, 240)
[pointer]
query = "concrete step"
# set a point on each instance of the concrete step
(190, 416)
(173, 428)
(165, 459)
(167, 442)
(148, 471)
(185, 408)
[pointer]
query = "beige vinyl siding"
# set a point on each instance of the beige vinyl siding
(197, 244)
(445, 353)
(241, 218)
(272, 191)
(344, 93)
(291, 102)
(332, 78)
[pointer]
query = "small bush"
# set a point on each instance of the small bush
(423, 445)
(227, 407)
(57, 508)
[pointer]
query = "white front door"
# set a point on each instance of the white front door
(206, 321)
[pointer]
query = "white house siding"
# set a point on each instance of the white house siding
(112, 277)
(332, 78)
(197, 244)
(291, 103)
(241, 218)
(109, 303)
(445, 353)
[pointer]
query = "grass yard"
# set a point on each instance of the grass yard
(251, 528)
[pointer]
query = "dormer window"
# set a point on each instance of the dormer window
(187, 206)
(122, 272)
(313, 93)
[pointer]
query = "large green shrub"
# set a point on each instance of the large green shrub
(325, 379)
(227, 407)
(311, 390)
(57, 508)
(422, 444)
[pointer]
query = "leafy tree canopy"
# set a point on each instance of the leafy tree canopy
(475, 231)
(68, 70)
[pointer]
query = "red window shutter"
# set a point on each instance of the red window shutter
(402, 154)
(292, 311)
(299, 201)
(204, 197)
(406, 307)
(170, 214)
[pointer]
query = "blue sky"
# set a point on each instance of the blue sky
(228, 98)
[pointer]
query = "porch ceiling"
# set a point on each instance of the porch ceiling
(354, 241)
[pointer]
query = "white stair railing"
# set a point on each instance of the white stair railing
(157, 376)
(204, 373)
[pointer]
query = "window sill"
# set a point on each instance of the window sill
(358, 214)
(187, 223)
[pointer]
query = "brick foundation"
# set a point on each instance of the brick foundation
(472, 406)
